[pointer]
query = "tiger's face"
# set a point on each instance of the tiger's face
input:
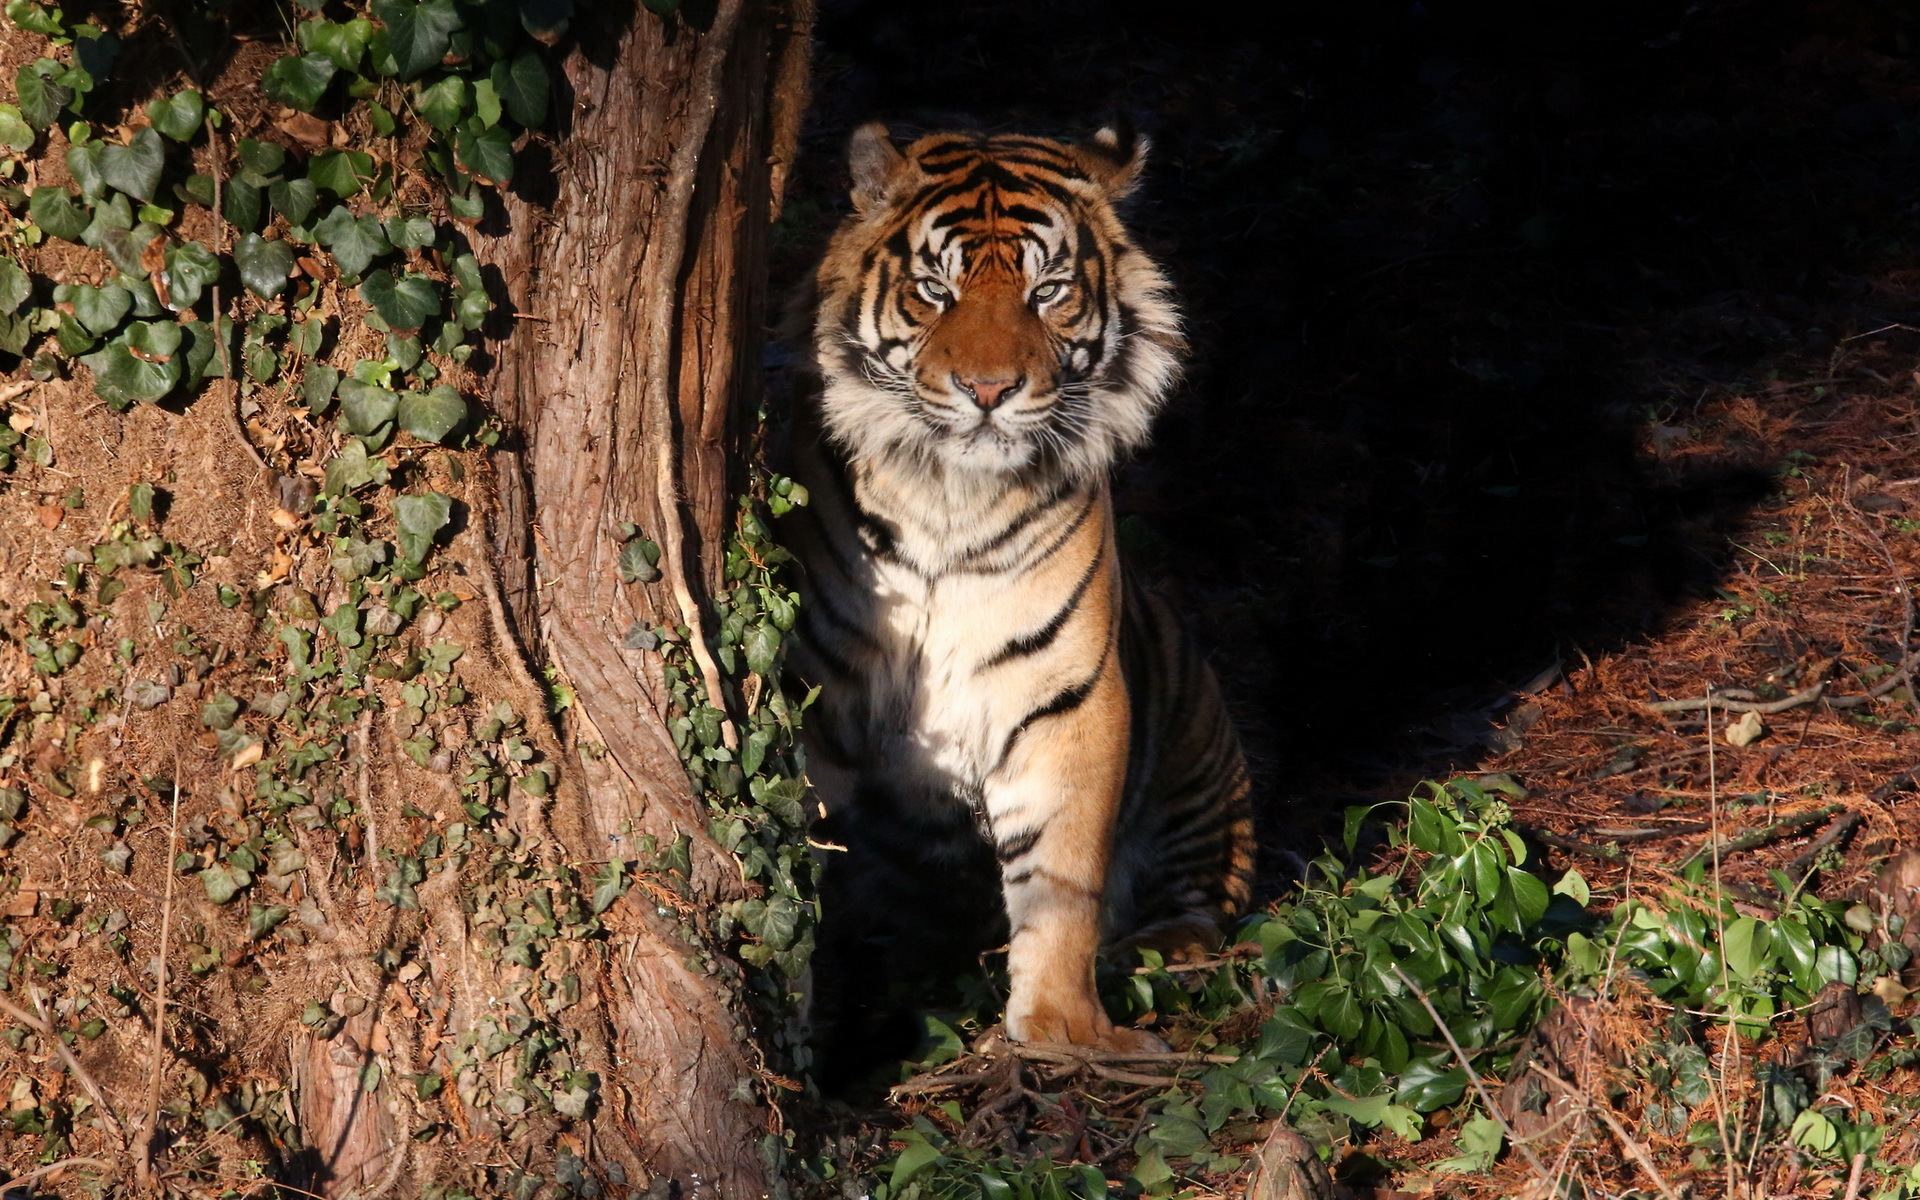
(983, 309)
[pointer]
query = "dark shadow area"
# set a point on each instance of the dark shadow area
(1444, 266)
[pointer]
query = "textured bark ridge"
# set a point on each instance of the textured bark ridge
(638, 287)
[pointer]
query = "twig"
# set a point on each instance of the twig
(1633, 1148)
(921, 1084)
(44, 1027)
(50, 1168)
(1070, 1055)
(143, 1165)
(1836, 833)
(1612, 854)
(1729, 1045)
(1739, 700)
(1854, 1176)
(1763, 835)
(1678, 829)
(1493, 1110)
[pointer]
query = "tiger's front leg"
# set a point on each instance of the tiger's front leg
(1053, 803)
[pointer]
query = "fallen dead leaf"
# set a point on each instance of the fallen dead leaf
(277, 568)
(307, 129)
(50, 514)
(249, 755)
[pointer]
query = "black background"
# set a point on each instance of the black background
(1443, 265)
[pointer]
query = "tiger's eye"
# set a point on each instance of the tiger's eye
(1052, 289)
(935, 291)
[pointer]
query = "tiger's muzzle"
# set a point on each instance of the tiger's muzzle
(990, 370)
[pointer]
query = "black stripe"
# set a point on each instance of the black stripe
(1015, 527)
(1064, 701)
(1016, 846)
(1066, 536)
(1033, 643)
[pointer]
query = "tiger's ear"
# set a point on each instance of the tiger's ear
(1113, 157)
(874, 163)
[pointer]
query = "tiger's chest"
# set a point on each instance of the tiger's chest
(934, 637)
(928, 703)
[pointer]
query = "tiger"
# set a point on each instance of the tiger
(1000, 699)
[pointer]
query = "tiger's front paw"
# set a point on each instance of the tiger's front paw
(1079, 1024)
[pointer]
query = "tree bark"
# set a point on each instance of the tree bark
(638, 290)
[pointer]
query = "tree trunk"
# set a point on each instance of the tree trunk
(639, 288)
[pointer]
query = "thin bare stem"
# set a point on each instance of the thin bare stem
(1493, 1110)
(43, 1025)
(143, 1164)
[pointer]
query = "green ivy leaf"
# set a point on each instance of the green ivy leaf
(365, 407)
(317, 388)
(419, 518)
(191, 269)
(127, 247)
(264, 265)
(263, 918)
(15, 133)
(240, 204)
(142, 364)
(343, 43)
(355, 558)
(404, 304)
(298, 81)
(351, 469)
(1747, 944)
(344, 624)
(486, 101)
(354, 241)
(83, 163)
(418, 34)
(638, 561)
(762, 644)
(15, 285)
(262, 158)
(41, 98)
(307, 336)
(342, 172)
(73, 338)
(486, 153)
(54, 211)
(35, 19)
(202, 353)
(546, 20)
(294, 199)
(431, 416)
(410, 233)
(443, 104)
(609, 884)
(220, 712)
(261, 361)
(95, 49)
(523, 87)
(98, 309)
(178, 116)
(135, 167)
(223, 882)
(196, 189)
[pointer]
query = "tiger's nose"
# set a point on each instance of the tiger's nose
(987, 392)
